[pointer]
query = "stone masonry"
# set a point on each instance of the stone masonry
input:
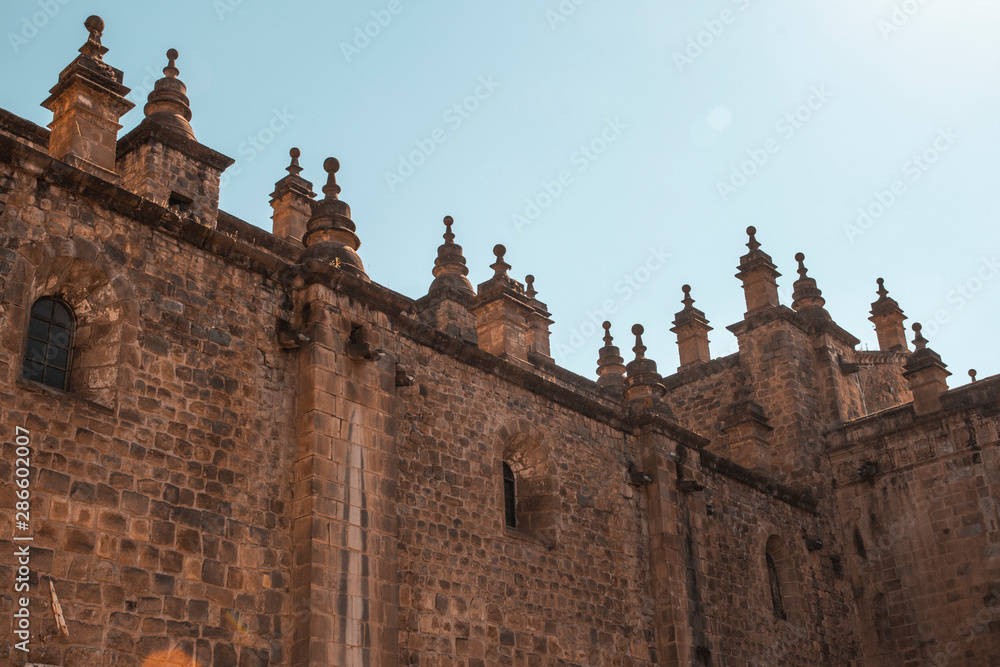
(261, 456)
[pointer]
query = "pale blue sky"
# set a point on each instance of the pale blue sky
(671, 97)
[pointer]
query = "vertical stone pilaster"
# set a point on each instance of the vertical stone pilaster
(674, 638)
(344, 571)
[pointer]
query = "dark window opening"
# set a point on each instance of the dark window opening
(509, 498)
(776, 601)
(180, 202)
(50, 342)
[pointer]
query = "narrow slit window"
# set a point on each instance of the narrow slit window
(509, 497)
(777, 603)
(50, 343)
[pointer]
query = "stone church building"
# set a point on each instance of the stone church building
(224, 447)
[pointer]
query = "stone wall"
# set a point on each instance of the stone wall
(159, 510)
(921, 521)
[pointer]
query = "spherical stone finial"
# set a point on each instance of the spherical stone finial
(639, 349)
(499, 250)
(449, 221)
(607, 333)
(530, 282)
(331, 166)
(94, 24)
(882, 291)
(972, 374)
(920, 342)
(293, 167)
(752, 243)
(800, 258)
(449, 236)
(687, 300)
(172, 54)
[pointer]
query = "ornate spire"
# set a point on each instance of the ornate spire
(610, 365)
(449, 267)
(692, 330)
(643, 385)
(926, 375)
(759, 276)
(86, 104)
(888, 319)
(167, 104)
(331, 236)
(291, 203)
(806, 295)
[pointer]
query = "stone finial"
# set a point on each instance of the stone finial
(639, 348)
(687, 300)
(293, 168)
(331, 236)
(331, 166)
(291, 202)
(93, 48)
(926, 375)
(167, 104)
(449, 267)
(919, 341)
(530, 291)
(759, 276)
(692, 330)
(805, 295)
(171, 71)
(500, 267)
(972, 374)
(610, 365)
(888, 319)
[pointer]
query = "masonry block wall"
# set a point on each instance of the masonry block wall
(919, 512)
(160, 501)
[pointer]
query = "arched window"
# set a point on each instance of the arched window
(777, 602)
(509, 496)
(50, 343)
